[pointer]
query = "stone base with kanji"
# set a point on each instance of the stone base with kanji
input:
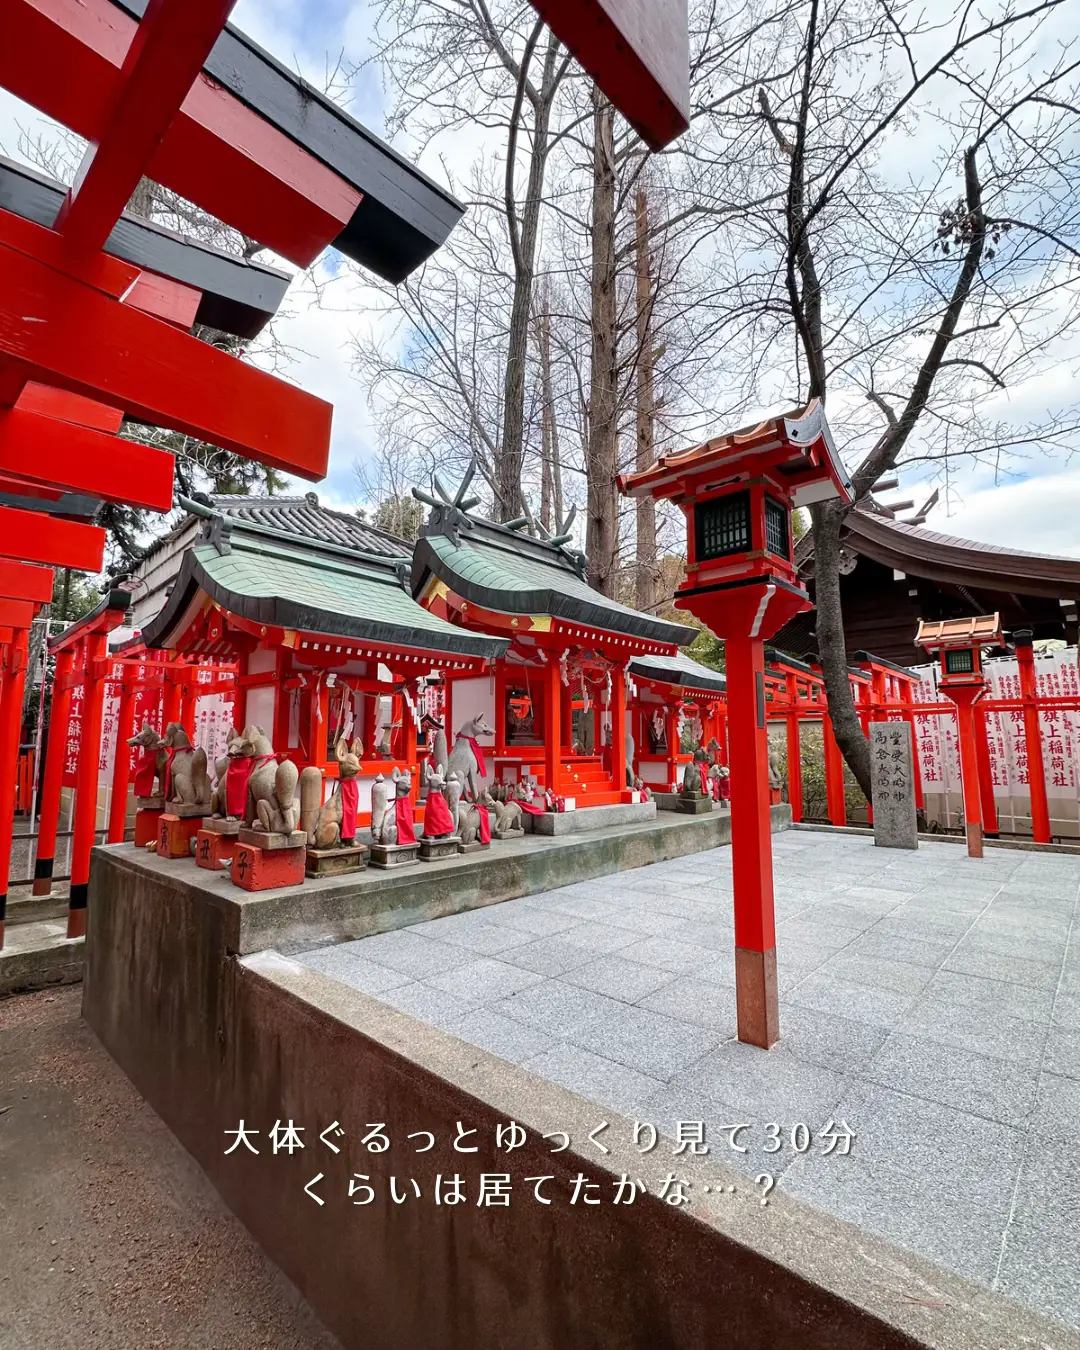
(175, 834)
(147, 821)
(445, 846)
(335, 862)
(267, 869)
(394, 855)
(215, 845)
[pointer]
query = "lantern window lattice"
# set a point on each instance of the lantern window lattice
(723, 526)
(776, 528)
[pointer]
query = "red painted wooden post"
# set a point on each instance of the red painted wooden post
(671, 736)
(835, 795)
(86, 790)
(552, 692)
(52, 778)
(986, 775)
(794, 749)
(618, 730)
(965, 699)
(1040, 806)
(171, 695)
(751, 844)
(122, 759)
(11, 703)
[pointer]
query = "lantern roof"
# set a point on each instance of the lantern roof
(984, 630)
(278, 580)
(796, 448)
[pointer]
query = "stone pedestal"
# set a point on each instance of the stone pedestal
(266, 869)
(394, 855)
(188, 810)
(509, 834)
(214, 848)
(335, 862)
(223, 824)
(445, 846)
(893, 785)
(155, 803)
(147, 821)
(269, 840)
(175, 834)
(693, 804)
(475, 847)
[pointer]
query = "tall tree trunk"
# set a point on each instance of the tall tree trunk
(645, 579)
(828, 518)
(549, 513)
(509, 498)
(602, 466)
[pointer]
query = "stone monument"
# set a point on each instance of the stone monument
(893, 785)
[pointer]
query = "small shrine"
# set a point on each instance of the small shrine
(554, 713)
(329, 645)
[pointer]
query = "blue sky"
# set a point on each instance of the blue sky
(1038, 508)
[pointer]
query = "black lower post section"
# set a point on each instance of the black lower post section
(78, 896)
(43, 869)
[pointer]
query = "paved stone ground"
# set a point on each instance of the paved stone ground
(930, 1001)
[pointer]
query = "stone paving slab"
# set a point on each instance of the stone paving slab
(929, 1000)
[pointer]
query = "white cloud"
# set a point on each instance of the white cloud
(1041, 515)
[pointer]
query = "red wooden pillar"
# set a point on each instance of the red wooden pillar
(965, 700)
(834, 775)
(794, 750)
(618, 730)
(53, 775)
(122, 758)
(86, 788)
(552, 691)
(909, 718)
(11, 702)
(1040, 807)
(751, 845)
(408, 747)
(721, 732)
(171, 695)
(986, 775)
(671, 736)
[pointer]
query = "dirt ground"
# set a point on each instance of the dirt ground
(111, 1236)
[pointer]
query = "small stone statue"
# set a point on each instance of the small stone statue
(186, 780)
(694, 775)
(776, 770)
(508, 819)
(641, 786)
(332, 824)
(271, 790)
(391, 821)
(439, 815)
(150, 764)
(467, 757)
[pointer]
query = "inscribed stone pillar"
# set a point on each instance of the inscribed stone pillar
(893, 785)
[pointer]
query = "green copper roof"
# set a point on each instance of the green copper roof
(278, 580)
(679, 669)
(499, 570)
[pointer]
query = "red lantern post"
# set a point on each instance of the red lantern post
(737, 493)
(959, 643)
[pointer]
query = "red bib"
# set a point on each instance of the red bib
(485, 825)
(531, 808)
(437, 817)
(403, 813)
(145, 772)
(350, 800)
(236, 783)
(169, 756)
(704, 772)
(478, 751)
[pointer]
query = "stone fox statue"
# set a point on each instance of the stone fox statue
(467, 757)
(232, 771)
(185, 776)
(271, 789)
(150, 766)
(391, 821)
(335, 823)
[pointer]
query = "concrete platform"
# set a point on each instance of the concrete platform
(590, 818)
(38, 955)
(575, 1012)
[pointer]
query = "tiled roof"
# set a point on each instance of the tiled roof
(679, 669)
(497, 569)
(273, 579)
(306, 517)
